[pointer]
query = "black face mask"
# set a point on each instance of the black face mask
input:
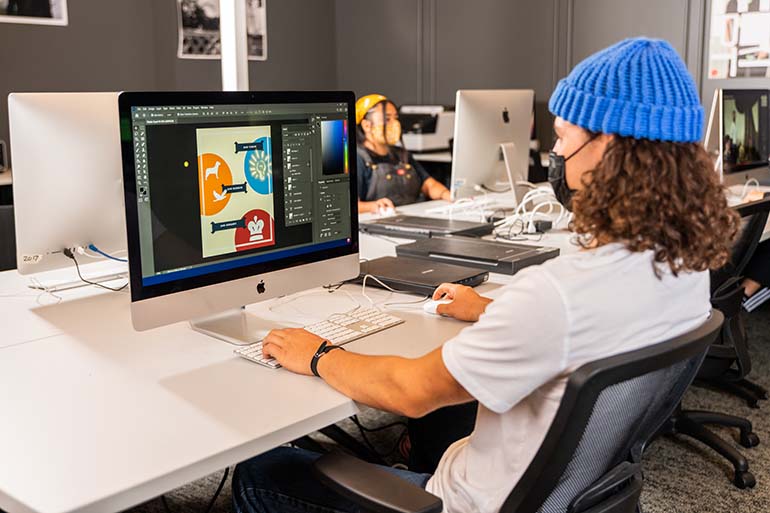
(557, 175)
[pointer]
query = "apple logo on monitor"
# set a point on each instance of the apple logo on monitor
(261, 287)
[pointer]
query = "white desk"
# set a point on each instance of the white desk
(98, 418)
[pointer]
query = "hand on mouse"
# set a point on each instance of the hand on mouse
(383, 204)
(466, 305)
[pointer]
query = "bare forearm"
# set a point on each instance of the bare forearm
(435, 190)
(409, 387)
(372, 380)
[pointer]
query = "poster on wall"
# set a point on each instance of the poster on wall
(34, 12)
(199, 29)
(739, 39)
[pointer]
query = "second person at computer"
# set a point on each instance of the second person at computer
(388, 176)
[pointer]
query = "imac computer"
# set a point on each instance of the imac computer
(491, 140)
(738, 134)
(233, 198)
(67, 181)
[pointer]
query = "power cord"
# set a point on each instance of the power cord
(210, 507)
(69, 254)
(363, 430)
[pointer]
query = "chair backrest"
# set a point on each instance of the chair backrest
(7, 238)
(754, 215)
(611, 408)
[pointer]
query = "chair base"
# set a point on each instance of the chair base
(743, 388)
(691, 423)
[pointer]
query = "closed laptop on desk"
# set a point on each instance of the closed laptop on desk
(414, 227)
(497, 257)
(404, 274)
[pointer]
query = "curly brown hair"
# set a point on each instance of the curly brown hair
(660, 196)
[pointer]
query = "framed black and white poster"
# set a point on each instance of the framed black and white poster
(34, 12)
(199, 36)
(739, 39)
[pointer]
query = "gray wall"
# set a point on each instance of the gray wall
(504, 43)
(300, 43)
(113, 45)
(108, 45)
(416, 51)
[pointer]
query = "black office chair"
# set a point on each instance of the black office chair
(727, 362)
(7, 238)
(590, 460)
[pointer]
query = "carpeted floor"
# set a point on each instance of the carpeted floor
(681, 475)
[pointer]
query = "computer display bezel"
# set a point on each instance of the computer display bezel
(127, 100)
(748, 165)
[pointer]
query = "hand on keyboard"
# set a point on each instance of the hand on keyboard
(338, 329)
(293, 348)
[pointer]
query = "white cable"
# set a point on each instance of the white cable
(387, 287)
(749, 182)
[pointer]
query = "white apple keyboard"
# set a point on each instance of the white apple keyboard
(338, 329)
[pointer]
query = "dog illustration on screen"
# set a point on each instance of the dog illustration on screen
(213, 170)
(256, 226)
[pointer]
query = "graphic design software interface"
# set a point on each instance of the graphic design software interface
(225, 186)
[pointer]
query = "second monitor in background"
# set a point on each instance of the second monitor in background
(67, 182)
(491, 140)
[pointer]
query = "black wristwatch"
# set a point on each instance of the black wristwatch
(324, 348)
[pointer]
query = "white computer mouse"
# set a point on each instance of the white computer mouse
(431, 306)
(386, 212)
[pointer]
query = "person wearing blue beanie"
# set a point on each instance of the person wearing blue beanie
(652, 220)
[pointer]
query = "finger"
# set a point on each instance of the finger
(388, 203)
(270, 350)
(445, 309)
(275, 337)
(445, 290)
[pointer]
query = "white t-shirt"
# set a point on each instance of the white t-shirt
(516, 359)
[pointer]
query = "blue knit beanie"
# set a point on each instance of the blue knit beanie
(638, 87)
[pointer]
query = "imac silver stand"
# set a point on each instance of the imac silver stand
(236, 326)
(509, 157)
(714, 138)
(67, 285)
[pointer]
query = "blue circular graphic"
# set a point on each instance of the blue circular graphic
(258, 167)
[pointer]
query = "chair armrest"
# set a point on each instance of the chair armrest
(606, 491)
(373, 488)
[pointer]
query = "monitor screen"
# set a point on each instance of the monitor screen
(745, 129)
(226, 190)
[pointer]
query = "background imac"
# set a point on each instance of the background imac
(67, 183)
(745, 129)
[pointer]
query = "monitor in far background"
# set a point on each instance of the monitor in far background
(491, 126)
(67, 183)
(745, 129)
(233, 198)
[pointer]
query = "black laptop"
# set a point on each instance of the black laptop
(417, 275)
(414, 227)
(493, 256)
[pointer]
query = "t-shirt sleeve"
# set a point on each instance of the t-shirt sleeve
(419, 169)
(363, 178)
(519, 343)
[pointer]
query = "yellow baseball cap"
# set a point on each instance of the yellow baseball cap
(365, 103)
